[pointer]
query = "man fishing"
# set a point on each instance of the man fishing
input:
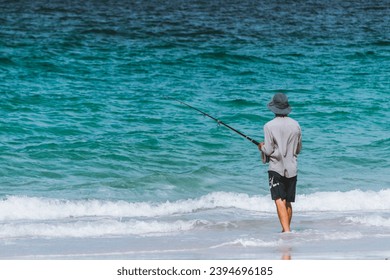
(282, 144)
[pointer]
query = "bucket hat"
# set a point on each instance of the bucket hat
(279, 104)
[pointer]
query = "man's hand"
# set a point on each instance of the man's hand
(260, 145)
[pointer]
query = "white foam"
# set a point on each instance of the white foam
(94, 228)
(33, 208)
(370, 220)
(355, 200)
(316, 235)
(16, 207)
(292, 238)
(250, 242)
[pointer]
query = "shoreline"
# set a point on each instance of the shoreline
(252, 239)
(91, 250)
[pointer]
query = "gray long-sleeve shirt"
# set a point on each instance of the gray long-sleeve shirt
(282, 143)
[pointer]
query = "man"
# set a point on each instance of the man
(281, 146)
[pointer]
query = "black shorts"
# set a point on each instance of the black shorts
(282, 187)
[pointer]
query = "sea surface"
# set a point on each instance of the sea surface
(92, 152)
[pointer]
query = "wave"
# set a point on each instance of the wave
(95, 228)
(35, 208)
(6, 61)
(292, 238)
(355, 200)
(249, 242)
(34, 217)
(370, 220)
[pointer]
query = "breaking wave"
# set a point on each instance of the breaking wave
(34, 208)
(32, 217)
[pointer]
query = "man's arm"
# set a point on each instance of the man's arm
(299, 147)
(266, 147)
(264, 158)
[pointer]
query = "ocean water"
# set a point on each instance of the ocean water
(95, 162)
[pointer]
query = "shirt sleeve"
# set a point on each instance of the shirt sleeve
(268, 147)
(299, 146)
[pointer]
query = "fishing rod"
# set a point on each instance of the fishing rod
(218, 121)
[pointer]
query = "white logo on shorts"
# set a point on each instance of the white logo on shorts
(271, 183)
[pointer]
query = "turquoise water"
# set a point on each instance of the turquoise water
(84, 118)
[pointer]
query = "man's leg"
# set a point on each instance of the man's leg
(291, 184)
(283, 214)
(289, 212)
